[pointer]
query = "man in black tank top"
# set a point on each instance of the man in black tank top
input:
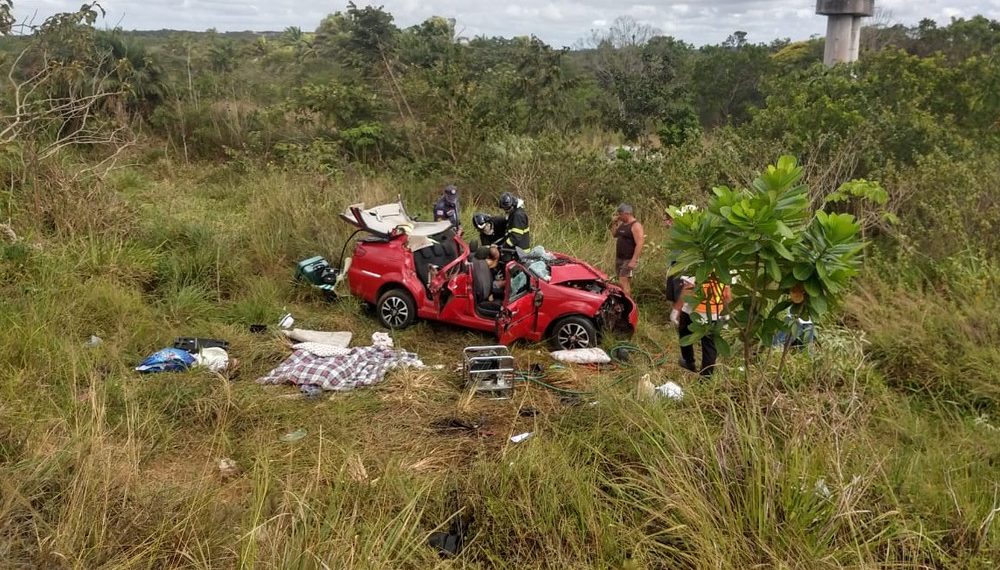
(629, 238)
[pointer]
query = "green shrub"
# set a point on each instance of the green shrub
(935, 335)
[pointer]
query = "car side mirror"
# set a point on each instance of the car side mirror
(538, 298)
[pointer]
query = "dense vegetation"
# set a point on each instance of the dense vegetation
(162, 184)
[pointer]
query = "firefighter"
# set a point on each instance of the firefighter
(517, 222)
(446, 207)
(492, 229)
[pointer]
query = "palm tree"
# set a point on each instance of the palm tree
(223, 57)
(131, 70)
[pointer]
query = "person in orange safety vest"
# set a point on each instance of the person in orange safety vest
(711, 308)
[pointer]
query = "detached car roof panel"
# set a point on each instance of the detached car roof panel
(382, 220)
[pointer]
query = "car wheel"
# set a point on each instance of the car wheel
(396, 309)
(574, 332)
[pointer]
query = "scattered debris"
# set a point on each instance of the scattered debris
(521, 436)
(644, 389)
(311, 390)
(93, 341)
(258, 329)
(451, 543)
(228, 468)
(166, 360)
(670, 390)
(294, 436)
(194, 344)
(528, 412)
(453, 424)
(286, 322)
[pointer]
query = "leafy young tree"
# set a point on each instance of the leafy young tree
(362, 38)
(641, 71)
(727, 79)
(781, 258)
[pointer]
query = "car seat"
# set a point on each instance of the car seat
(482, 286)
(441, 253)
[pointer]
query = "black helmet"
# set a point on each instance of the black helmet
(479, 220)
(483, 223)
(507, 201)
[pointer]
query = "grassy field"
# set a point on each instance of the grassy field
(880, 448)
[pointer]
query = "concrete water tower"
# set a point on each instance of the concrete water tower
(843, 28)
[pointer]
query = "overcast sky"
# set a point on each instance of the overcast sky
(558, 22)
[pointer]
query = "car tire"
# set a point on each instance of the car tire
(396, 309)
(573, 332)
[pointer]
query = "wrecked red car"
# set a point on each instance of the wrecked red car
(413, 270)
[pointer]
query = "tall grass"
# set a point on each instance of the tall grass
(835, 466)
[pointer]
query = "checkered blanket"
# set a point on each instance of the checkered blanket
(362, 366)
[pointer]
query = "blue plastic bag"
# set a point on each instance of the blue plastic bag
(166, 360)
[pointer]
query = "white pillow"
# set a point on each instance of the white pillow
(320, 349)
(582, 356)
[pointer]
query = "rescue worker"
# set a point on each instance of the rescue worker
(446, 207)
(711, 309)
(492, 229)
(629, 239)
(518, 234)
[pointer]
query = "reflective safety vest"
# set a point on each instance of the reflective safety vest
(713, 303)
(518, 233)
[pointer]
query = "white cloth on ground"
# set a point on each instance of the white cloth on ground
(582, 356)
(214, 358)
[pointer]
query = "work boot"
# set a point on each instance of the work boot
(686, 365)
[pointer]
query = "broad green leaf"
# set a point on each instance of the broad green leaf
(773, 269)
(802, 271)
(784, 230)
(783, 251)
(722, 345)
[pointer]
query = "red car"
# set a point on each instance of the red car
(410, 270)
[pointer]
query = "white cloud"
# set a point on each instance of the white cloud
(559, 22)
(552, 13)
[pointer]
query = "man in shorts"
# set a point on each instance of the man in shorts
(629, 238)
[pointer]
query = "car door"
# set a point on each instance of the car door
(519, 315)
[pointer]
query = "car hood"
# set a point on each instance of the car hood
(576, 271)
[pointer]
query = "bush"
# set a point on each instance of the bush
(935, 334)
